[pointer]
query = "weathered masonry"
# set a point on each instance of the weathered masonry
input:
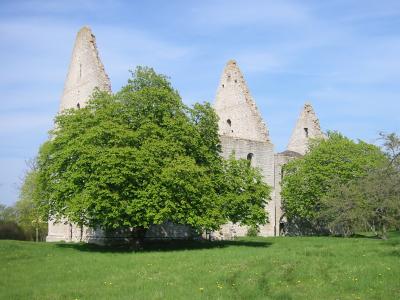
(244, 133)
(241, 128)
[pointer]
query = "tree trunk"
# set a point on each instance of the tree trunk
(37, 233)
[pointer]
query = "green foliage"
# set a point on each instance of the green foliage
(7, 213)
(391, 144)
(253, 231)
(368, 203)
(142, 157)
(145, 77)
(336, 160)
(24, 220)
(9, 229)
(244, 193)
(371, 202)
(248, 268)
(29, 215)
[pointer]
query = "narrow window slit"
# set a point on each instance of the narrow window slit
(306, 132)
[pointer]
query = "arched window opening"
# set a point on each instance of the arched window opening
(250, 156)
(306, 132)
(229, 122)
(78, 106)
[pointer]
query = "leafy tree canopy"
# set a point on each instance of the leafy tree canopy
(142, 157)
(336, 159)
(368, 203)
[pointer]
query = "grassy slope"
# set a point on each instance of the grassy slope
(257, 268)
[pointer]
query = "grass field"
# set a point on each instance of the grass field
(250, 268)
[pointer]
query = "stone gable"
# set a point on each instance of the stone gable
(237, 111)
(307, 127)
(86, 72)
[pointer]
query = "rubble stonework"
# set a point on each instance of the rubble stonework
(307, 127)
(242, 132)
(236, 109)
(86, 72)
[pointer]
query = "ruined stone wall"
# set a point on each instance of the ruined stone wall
(69, 232)
(280, 160)
(263, 158)
(243, 131)
(66, 231)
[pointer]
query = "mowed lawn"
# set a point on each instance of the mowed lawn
(249, 268)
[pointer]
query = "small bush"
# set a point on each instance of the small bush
(253, 231)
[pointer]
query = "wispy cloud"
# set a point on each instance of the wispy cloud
(240, 13)
(124, 48)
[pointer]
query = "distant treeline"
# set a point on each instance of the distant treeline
(17, 223)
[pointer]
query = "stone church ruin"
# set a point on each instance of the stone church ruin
(241, 128)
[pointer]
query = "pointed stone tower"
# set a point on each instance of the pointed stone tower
(86, 72)
(238, 113)
(307, 127)
(243, 132)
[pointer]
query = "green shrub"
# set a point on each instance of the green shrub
(253, 231)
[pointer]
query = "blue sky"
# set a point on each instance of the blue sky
(343, 56)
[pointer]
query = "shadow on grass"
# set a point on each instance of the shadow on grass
(392, 236)
(167, 245)
(365, 236)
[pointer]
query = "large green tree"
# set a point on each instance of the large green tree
(368, 203)
(335, 160)
(142, 157)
